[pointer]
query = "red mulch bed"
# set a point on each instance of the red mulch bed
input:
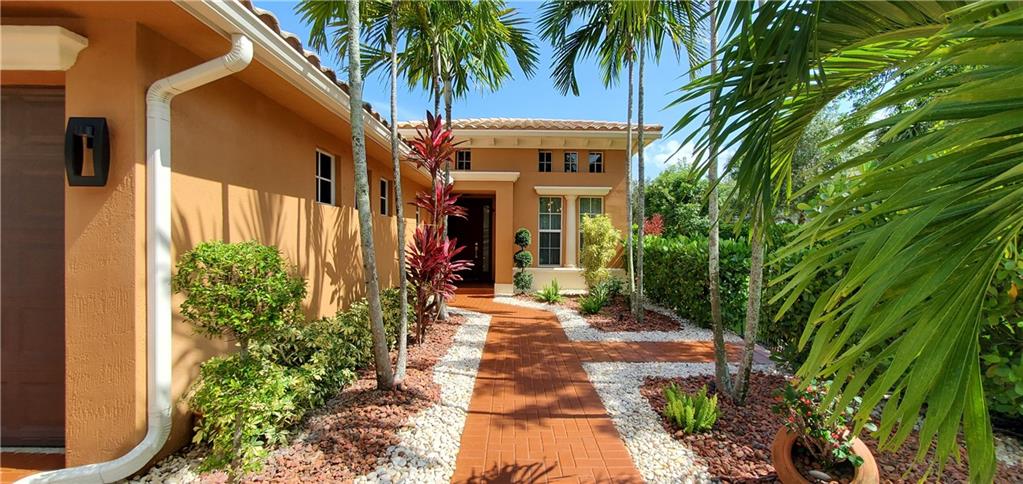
(344, 438)
(617, 316)
(738, 448)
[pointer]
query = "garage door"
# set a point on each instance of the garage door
(32, 258)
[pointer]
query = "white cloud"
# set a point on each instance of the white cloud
(664, 153)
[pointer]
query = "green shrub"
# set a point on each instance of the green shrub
(241, 291)
(523, 238)
(551, 293)
(675, 272)
(1001, 341)
(244, 406)
(690, 413)
(612, 286)
(597, 298)
(523, 282)
(523, 259)
(600, 243)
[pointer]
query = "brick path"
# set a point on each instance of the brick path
(534, 416)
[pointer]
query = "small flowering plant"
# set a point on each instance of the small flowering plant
(820, 431)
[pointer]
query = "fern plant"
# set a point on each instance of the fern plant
(593, 302)
(551, 293)
(690, 413)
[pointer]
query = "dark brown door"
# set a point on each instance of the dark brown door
(475, 234)
(32, 258)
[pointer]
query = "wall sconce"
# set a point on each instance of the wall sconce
(87, 139)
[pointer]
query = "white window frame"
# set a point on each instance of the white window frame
(459, 161)
(565, 161)
(385, 196)
(549, 162)
(589, 163)
(541, 230)
(582, 214)
(332, 180)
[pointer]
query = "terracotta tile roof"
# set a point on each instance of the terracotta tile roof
(268, 18)
(533, 124)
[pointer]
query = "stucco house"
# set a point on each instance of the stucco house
(134, 131)
(543, 175)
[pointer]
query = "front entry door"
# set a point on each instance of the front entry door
(474, 233)
(32, 258)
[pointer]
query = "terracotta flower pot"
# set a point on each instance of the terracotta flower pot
(781, 458)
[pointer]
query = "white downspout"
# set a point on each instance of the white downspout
(158, 263)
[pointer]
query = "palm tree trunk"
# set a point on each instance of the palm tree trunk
(724, 380)
(628, 197)
(640, 189)
(442, 306)
(381, 360)
(399, 210)
(756, 277)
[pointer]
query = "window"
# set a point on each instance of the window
(588, 206)
(596, 162)
(571, 162)
(550, 231)
(545, 161)
(324, 178)
(463, 160)
(385, 194)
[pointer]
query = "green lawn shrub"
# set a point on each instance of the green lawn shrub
(1001, 341)
(551, 293)
(690, 413)
(246, 402)
(522, 281)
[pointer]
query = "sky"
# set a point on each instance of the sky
(535, 97)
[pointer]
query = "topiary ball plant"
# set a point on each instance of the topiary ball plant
(523, 238)
(523, 259)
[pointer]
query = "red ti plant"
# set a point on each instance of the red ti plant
(433, 270)
(654, 225)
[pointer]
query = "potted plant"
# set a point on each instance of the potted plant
(817, 445)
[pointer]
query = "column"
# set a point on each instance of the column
(572, 231)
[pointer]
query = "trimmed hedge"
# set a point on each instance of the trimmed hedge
(676, 275)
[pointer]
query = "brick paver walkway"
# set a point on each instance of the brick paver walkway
(534, 416)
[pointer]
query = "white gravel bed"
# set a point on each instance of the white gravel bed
(430, 440)
(578, 329)
(659, 457)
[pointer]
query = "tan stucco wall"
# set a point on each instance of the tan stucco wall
(244, 168)
(526, 201)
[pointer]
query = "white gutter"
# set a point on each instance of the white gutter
(158, 263)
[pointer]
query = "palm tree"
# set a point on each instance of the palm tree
(399, 205)
(921, 233)
(613, 30)
(381, 359)
(721, 376)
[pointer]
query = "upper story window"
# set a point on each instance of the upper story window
(596, 162)
(571, 162)
(325, 178)
(463, 160)
(385, 193)
(545, 161)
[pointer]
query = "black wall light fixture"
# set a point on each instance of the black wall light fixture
(87, 138)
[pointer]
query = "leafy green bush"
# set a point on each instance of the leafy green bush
(247, 401)
(600, 243)
(242, 291)
(613, 286)
(690, 413)
(523, 259)
(1001, 341)
(551, 293)
(679, 198)
(523, 282)
(523, 238)
(822, 428)
(675, 272)
(245, 405)
(593, 302)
